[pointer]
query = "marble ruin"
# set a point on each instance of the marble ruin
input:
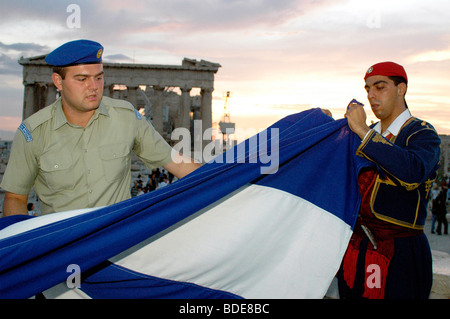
(162, 93)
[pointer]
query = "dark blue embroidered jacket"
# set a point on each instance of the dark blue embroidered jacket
(406, 168)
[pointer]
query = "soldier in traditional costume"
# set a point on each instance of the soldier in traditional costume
(389, 255)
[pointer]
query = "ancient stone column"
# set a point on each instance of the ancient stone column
(206, 110)
(108, 90)
(51, 93)
(158, 109)
(40, 96)
(132, 95)
(185, 120)
(206, 94)
(28, 101)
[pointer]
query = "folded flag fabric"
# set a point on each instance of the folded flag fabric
(231, 229)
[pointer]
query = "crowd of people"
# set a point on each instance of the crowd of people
(439, 201)
(157, 179)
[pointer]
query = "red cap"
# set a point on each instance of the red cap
(386, 69)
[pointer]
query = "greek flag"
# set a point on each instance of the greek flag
(227, 230)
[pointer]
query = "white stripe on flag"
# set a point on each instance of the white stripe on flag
(258, 242)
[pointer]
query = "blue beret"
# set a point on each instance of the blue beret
(76, 52)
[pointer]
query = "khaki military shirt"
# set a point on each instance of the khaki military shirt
(72, 167)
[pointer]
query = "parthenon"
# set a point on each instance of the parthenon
(148, 87)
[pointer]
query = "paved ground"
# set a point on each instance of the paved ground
(440, 247)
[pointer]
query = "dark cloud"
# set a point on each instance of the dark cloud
(117, 58)
(116, 19)
(229, 15)
(23, 47)
(10, 53)
(9, 66)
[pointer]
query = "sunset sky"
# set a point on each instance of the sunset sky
(277, 57)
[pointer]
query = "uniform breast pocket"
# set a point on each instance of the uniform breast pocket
(57, 170)
(116, 161)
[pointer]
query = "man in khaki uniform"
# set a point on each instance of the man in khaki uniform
(76, 152)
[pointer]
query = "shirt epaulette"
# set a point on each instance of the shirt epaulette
(122, 104)
(26, 133)
(35, 120)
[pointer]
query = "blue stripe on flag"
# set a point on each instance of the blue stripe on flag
(110, 281)
(36, 260)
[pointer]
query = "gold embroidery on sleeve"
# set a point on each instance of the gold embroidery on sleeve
(379, 139)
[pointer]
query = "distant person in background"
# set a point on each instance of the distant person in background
(76, 152)
(440, 209)
(31, 211)
(135, 189)
(433, 195)
(152, 182)
(163, 181)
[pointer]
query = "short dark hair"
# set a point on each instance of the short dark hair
(60, 70)
(397, 80)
